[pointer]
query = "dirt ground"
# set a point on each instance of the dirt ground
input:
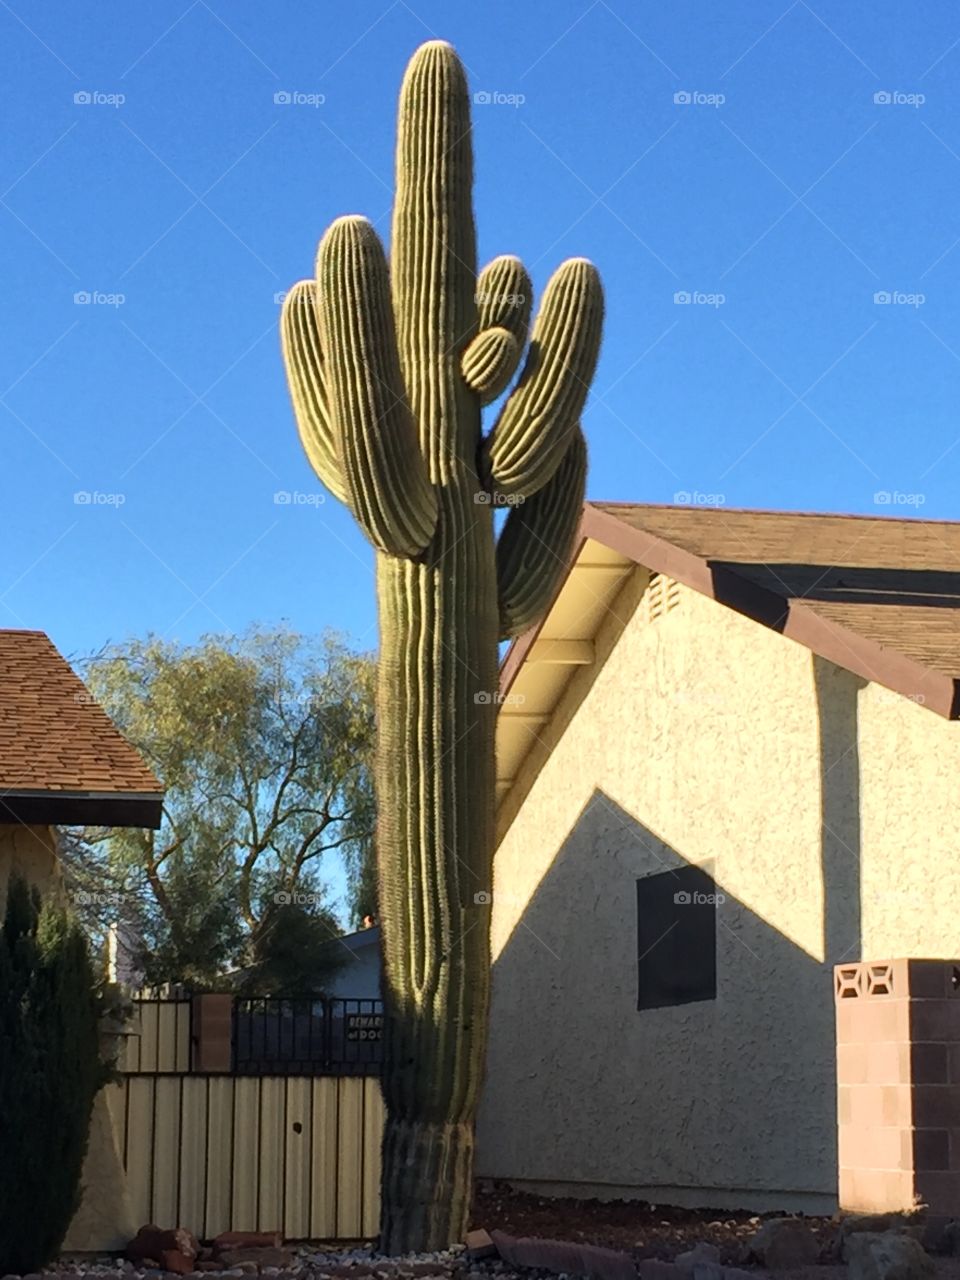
(645, 1230)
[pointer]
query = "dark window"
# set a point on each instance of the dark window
(676, 938)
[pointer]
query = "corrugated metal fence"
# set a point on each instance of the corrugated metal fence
(286, 1138)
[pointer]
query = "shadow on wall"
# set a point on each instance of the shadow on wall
(733, 1096)
(837, 692)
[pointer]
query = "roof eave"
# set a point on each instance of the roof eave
(837, 644)
(81, 808)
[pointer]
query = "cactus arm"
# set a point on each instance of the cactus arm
(303, 360)
(503, 298)
(534, 548)
(386, 481)
(537, 423)
(489, 362)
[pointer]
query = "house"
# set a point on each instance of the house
(359, 979)
(728, 760)
(62, 761)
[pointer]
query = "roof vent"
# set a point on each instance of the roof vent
(663, 594)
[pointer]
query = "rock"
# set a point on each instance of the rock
(479, 1244)
(735, 1273)
(152, 1242)
(701, 1253)
(852, 1224)
(889, 1255)
(655, 1269)
(176, 1262)
(783, 1243)
(941, 1237)
(248, 1240)
(565, 1258)
(259, 1256)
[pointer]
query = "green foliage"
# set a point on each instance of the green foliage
(293, 951)
(50, 1071)
(264, 744)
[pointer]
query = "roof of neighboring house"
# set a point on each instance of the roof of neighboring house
(62, 759)
(877, 595)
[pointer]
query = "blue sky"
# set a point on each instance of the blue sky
(779, 163)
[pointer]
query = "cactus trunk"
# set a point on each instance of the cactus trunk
(388, 372)
(435, 786)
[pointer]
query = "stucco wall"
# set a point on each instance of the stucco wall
(30, 852)
(910, 778)
(704, 739)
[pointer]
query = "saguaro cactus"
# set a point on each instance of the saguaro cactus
(388, 370)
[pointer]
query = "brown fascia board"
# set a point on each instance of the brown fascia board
(796, 621)
(81, 808)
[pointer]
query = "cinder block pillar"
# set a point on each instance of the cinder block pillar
(211, 1033)
(898, 1085)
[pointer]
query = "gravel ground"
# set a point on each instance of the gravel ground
(641, 1229)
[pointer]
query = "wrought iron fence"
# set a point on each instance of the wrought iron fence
(307, 1035)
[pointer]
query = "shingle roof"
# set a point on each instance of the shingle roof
(53, 736)
(894, 581)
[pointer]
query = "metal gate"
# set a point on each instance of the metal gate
(287, 1140)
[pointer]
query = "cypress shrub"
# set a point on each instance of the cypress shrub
(50, 1072)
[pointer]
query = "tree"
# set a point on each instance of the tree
(288, 942)
(389, 367)
(263, 743)
(50, 1072)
